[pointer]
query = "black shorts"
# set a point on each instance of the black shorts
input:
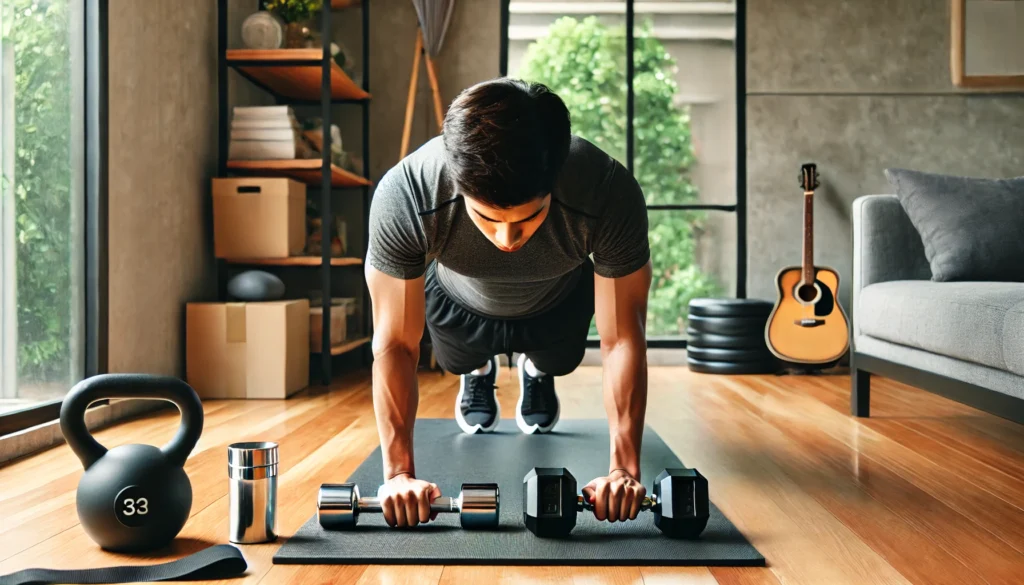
(554, 340)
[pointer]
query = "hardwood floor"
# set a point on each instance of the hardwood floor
(926, 491)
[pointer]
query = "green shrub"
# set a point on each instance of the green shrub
(584, 62)
(37, 33)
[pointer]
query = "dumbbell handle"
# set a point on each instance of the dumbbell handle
(442, 504)
(648, 503)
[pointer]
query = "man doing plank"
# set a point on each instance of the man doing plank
(486, 233)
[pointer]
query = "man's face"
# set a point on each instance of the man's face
(508, 229)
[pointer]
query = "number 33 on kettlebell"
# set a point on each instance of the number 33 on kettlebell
(132, 506)
(132, 497)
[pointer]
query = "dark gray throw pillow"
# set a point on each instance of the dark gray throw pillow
(971, 228)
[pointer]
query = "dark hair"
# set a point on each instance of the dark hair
(506, 141)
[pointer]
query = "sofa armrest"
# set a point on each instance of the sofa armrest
(886, 246)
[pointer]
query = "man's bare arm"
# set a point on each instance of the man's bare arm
(621, 310)
(398, 313)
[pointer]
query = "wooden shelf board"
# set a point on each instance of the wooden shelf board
(306, 170)
(297, 81)
(348, 346)
(311, 55)
(296, 261)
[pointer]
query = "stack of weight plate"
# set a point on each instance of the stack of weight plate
(726, 336)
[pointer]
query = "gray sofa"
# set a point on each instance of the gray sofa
(963, 340)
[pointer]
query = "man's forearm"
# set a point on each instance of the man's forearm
(395, 400)
(625, 399)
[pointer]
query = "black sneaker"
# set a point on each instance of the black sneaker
(476, 407)
(538, 409)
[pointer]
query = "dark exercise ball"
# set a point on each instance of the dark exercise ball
(256, 285)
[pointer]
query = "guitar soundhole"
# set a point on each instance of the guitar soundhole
(806, 292)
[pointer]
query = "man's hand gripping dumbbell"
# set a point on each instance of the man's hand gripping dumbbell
(339, 506)
(550, 503)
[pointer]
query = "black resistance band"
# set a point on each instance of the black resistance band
(217, 562)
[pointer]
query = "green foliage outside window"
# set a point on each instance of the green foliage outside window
(584, 63)
(36, 35)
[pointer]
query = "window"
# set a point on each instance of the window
(679, 135)
(42, 201)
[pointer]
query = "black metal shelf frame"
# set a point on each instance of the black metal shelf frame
(740, 207)
(325, 102)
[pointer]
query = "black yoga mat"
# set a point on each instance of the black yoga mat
(450, 458)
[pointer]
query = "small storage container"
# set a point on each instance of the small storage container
(339, 327)
(258, 217)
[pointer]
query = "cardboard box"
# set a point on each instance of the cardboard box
(247, 350)
(258, 217)
(339, 327)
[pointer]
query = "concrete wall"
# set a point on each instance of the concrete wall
(162, 152)
(855, 87)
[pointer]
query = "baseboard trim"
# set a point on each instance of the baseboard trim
(44, 436)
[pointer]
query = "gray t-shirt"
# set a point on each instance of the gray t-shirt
(597, 208)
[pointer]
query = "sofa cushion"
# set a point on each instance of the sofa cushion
(970, 227)
(980, 322)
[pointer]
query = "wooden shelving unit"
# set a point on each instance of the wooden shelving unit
(295, 261)
(306, 78)
(306, 170)
(293, 73)
(349, 346)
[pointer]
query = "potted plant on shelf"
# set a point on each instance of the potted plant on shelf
(298, 17)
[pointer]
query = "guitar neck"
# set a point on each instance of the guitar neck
(808, 265)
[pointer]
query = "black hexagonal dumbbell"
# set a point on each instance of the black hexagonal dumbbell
(679, 502)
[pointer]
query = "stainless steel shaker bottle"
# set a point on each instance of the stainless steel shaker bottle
(252, 471)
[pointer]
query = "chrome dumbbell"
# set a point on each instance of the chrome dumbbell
(338, 505)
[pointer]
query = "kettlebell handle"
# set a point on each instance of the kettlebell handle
(144, 386)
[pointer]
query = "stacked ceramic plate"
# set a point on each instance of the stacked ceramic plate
(726, 336)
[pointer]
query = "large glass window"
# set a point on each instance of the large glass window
(583, 59)
(42, 221)
(683, 126)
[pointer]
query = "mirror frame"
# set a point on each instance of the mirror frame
(957, 63)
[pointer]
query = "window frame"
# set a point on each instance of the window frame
(95, 233)
(740, 207)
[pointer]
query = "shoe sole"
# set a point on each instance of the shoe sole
(474, 429)
(522, 424)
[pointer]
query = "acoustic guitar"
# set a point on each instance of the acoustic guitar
(808, 325)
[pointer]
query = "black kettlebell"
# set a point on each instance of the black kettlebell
(133, 497)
